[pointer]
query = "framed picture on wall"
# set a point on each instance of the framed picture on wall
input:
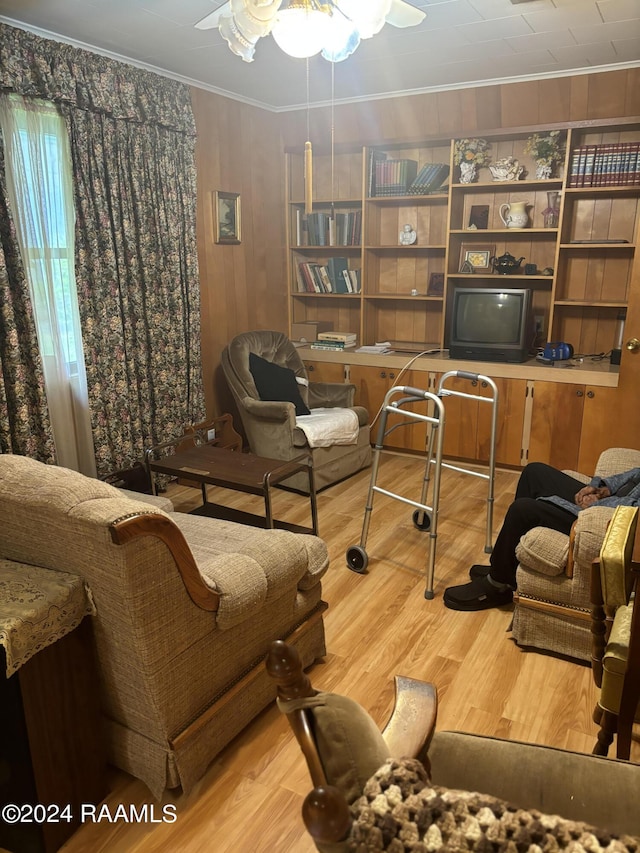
(227, 217)
(436, 284)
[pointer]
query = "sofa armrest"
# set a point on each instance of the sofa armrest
(137, 524)
(331, 395)
(544, 551)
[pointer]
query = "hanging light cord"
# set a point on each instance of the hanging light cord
(333, 133)
(308, 160)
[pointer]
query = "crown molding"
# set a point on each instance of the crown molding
(405, 93)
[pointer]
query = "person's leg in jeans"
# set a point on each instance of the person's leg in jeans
(493, 586)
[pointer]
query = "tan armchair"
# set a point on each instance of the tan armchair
(553, 598)
(269, 420)
(372, 794)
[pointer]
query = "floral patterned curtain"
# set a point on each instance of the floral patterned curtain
(24, 419)
(132, 136)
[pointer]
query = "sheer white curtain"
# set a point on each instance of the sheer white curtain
(38, 171)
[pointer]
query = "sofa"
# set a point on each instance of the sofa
(553, 599)
(185, 608)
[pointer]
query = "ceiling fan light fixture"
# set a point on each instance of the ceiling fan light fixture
(368, 16)
(302, 28)
(342, 39)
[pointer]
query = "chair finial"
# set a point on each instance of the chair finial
(285, 667)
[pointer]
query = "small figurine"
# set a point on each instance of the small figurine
(407, 236)
(506, 169)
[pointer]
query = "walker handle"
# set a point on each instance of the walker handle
(464, 374)
(416, 392)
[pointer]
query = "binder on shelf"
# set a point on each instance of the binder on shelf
(336, 267)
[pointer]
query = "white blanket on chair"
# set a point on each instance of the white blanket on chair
(324, 427)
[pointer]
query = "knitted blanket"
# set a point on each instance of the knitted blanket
(400, 811)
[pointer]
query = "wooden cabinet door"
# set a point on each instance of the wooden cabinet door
(324, 371)
(556, 424)
(372, 384)
(461, 418)
(512, 398)
(603, 425)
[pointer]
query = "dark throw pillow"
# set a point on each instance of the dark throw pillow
(276, 383)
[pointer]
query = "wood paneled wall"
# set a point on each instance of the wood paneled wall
(240, 149)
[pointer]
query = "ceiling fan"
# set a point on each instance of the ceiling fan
(303, 28)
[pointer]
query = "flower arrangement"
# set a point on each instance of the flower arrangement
(472, 151)
(546, 150)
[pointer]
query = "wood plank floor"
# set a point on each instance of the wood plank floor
(377, 625)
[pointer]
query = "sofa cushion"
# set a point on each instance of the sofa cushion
(276, 383)
(250, 566)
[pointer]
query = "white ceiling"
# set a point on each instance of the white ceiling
(460, 43)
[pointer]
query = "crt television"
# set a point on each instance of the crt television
(491, 324)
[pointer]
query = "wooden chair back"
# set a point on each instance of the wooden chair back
(325, 811)
(617, 721)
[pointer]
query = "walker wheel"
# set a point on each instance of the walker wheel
(421, 519)
(357, 559)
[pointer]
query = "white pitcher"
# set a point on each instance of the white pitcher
(514, 215)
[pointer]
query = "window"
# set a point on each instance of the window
(39, 185)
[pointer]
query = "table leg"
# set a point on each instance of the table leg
(312, 498)
(266, 483)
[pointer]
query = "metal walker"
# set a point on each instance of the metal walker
(357, 558)
(425, 517)
(490, 475)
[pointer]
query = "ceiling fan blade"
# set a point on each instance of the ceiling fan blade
(212, 20)
(402, 14)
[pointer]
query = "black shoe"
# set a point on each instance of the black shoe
(479, 571)
(479, 594)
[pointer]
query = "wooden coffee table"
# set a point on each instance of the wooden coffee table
(241, 472)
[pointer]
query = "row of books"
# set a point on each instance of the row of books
(334, 341)
(609, 164)
(429, 179)
(332, 277)
(320, 228)
(394, 177)
(389, 177)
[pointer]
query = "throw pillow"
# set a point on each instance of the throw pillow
(276, 383)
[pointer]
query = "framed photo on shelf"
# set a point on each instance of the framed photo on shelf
(479, 217)
(227, 217)
(478, 255)
(436, 284)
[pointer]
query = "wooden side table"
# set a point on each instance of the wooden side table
(51, 749)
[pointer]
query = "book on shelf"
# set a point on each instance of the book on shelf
(608, 164)
(344, 337)
(429, 179)
(394, 177)
(336, 267)
(332, 346)
(375, 156)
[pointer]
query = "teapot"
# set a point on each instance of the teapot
(506, 264)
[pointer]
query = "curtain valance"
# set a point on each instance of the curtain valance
(42, 68)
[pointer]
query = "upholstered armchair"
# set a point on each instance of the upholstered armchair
(616, 633)
(553, 602)
(409, 787)
(270, 386)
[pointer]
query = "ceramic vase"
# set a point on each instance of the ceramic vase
(515, 215)
(468, 172)
(551, 213)
(543, 171)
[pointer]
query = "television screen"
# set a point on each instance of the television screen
(491, 324)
